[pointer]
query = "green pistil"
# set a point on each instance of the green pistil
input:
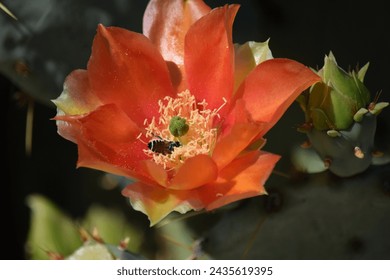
(178, 126)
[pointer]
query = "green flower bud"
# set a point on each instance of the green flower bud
(178, 126)
(333, 103)
(340, 122)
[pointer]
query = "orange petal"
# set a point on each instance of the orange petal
(157, 202)
(166, 23)
(113, 135)
(243, 178)
(77, 97)
(98, 157)
(272, 86)
(109, 124)
(237, 133)
(157, 172)
(209, 56)
(68, 126)
(194, 172)
(107, 140)
(126, 69)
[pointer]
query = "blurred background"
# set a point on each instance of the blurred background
(53, 37)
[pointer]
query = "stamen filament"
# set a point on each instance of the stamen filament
(199, 139)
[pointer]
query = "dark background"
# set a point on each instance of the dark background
(54, 37)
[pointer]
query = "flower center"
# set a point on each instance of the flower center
(183, 130)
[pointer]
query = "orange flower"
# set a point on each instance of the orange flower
(178, 109)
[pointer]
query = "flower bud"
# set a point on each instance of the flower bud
(332, 103)
(340, 121)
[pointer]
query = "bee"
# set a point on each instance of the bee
(162, 146)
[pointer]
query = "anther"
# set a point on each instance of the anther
(172, 141)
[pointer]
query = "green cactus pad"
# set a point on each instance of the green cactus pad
(351, 152)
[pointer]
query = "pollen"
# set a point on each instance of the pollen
(200, 138)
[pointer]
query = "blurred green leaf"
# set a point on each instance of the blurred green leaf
(112, 227)
(50, 231)
(53, 231)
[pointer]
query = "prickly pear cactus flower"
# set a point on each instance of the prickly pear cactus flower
(180, 109)
(340, 120)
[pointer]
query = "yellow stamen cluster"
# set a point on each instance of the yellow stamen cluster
(200, 138)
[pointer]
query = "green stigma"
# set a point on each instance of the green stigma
(178, 126)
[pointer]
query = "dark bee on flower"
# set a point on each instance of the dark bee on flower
(162, 146)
